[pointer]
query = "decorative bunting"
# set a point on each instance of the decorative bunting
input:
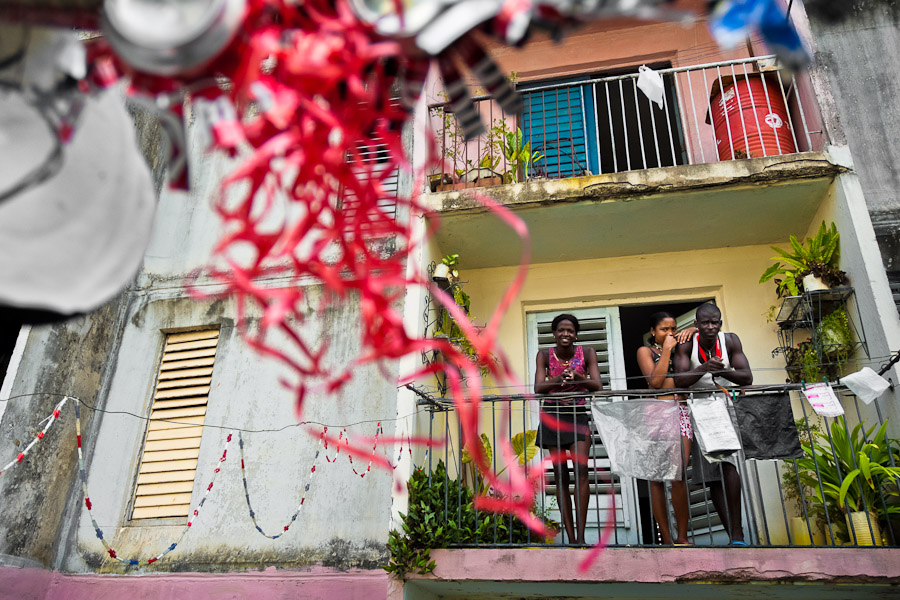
(293, 518)
(89, 505)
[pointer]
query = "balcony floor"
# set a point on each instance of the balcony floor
(671, 209)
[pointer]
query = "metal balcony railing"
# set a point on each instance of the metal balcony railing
(780, 499)
(729, 110)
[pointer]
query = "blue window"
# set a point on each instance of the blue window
(601, 127)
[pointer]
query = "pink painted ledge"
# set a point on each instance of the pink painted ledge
(313, 584)
(669, 565)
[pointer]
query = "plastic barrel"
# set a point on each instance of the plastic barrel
(764, 129)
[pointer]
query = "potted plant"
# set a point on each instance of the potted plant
(809, 265)
(519, 156)
(808, 523)
(442, 513)
(855, 477)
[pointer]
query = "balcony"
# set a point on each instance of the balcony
(603, 158)
(606, 125)
(789, 534)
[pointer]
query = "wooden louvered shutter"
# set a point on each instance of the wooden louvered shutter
(169, 461)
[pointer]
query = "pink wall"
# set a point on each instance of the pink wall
(315, 583)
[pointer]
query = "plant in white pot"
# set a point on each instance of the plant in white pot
(809, 266)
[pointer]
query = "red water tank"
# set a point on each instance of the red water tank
(752, 110)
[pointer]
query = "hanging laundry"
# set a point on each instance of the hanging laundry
(866, 384)
(651, 83)
(642, 437)
(766, 425)
(822, 399)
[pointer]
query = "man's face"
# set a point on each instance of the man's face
(709, 322)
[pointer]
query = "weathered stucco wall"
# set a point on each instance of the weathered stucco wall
(344, 519)
(69, 358)
(856, 62)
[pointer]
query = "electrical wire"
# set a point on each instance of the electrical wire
(225, 427)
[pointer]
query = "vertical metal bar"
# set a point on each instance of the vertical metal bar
(790, 123)
(494, 454)
(446, 467)
(638, 115)
(558, 145)
(544, 130)
(755, 115)
(812, 446)
(666, 110)
(596, 128)
(762, 504)
(624, 126)
(803, 500)
(430, 437)
(696, 118)
(725, 108)
(598, 484)
(612, 135)
(687, 487)
(459, 473)
(787, 525)
(802, 113)
(525, 454)
(746, 496)
(509, 470)
(444, 123)
(737, 94)
(570, 118)
(706, 499)
(787, 111)
(711, 115)
(651, 105)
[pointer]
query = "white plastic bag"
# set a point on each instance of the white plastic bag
(641, 437)
(713, 427)
(651, 83)
(866, 384)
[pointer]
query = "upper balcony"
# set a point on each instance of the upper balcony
(590, 147)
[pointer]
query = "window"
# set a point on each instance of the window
(169, 462)
(602, 127)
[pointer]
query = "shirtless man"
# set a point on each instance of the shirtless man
(703, 362)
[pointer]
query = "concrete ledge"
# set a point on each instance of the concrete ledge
(660, 573)
(671, 565)
(645, 182)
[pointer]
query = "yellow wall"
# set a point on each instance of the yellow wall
(728, 274)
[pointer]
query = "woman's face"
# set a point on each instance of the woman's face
(565, 333)
(666, 327)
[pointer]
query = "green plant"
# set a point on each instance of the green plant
(793, 485)
(442, 513)
(518, 155)
(523, 445)
(849, 473)
(819, 256)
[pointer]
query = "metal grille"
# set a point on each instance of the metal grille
(169, 461)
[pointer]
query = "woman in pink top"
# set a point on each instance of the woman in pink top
(565, 422)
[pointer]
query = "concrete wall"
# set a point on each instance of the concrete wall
(69, 358)
(855, 71)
